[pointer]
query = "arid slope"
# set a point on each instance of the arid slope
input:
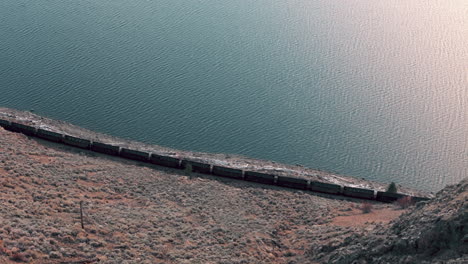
(434, 232)
(135, 213)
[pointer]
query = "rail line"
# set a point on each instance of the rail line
(206, 168)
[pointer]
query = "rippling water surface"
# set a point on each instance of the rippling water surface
(372, 89)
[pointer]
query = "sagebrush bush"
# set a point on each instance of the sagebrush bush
(366, 207)
(18, 257)
(404, 202)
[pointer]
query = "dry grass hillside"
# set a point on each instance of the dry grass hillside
(136, 213)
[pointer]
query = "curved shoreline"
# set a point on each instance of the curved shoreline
(232, 161)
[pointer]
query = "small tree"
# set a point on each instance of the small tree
(392, 188)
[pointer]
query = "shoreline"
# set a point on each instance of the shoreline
(219, 159)
(150, 214)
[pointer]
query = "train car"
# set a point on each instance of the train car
(105, 148)
(228, 172)
(259, 177)
(197, 166)
(134, 154)
(165, 161)
(291, 182)
(25, 129)
(387, 197)
(49, 135)
(5, 124)
(325, 187)
(359, 193)
(77, 142)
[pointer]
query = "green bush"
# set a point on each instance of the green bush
(392, 188)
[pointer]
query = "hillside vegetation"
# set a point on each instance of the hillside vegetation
(138, 213)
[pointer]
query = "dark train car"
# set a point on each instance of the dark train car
(77, 142)
(25, 129)
(359, 193)
(197, 166)
(228, 172)
(259, 177)
(291, 182)
(325, 187)
(49, 135)
(134, 154)
(165, 161)
(387, 197)
(105, 148)
(5, 123)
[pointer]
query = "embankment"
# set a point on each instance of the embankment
(152, 214)
(205, 167)
(146, 213)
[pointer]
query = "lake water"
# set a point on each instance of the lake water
(374, 89)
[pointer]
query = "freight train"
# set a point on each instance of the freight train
(205, 168)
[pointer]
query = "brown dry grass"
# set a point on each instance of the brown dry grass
(357, 218)
(135, 213)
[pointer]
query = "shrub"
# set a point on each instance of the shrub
(3, 250)
(392, 188)
(404, 202)
(18, 257)
(366, 207)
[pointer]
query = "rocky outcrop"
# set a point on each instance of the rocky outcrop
(433, 232)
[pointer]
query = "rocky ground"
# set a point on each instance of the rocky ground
(433, 232)
(136, 213)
